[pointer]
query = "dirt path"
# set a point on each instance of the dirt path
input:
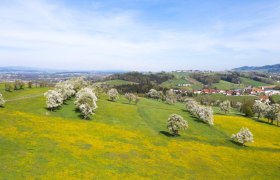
(24, 97)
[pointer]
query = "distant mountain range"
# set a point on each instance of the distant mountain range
(24, 69)
(267, 68)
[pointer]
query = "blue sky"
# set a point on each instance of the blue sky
(151, 35)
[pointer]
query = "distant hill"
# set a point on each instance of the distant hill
(267, 68)
(23, 69)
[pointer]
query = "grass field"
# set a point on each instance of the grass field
(225, 85)
(173, 83)
(128, 141)
(118, 82)
(250, 82)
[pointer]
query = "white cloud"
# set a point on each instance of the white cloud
(50, 34)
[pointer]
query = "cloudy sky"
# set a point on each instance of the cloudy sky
(149, 35)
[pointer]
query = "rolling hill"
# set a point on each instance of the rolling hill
(267, 68)
(127, 141)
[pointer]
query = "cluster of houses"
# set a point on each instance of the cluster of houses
(254, 91)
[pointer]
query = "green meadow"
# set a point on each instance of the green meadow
(127, 141)
(118, 82)
(251, 82)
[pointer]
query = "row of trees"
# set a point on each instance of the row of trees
(203, 113)
(113, 95)
(271, 112)
(85, 97)
(141, 78)
(19, 84)
(206, 79)
(169, 97)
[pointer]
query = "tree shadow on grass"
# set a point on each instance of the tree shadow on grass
(264, 122)
(65, 103)
(110, 100)
(237, 143)
(168, 134)
(127, 103)
(222, 114)
(79, 115)
(53, 110)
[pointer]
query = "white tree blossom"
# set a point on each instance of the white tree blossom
(201, 112)
(206, 114)
(113, 94)
(66, 89)
(54, 99)
(191, 105)
(238, 106)
(2, 100)
(259, 108)
(86, 102)
(78, 83)
(153, 94)
(86, 110)
(243, 136)
(272, 112)
(130, 97)
(225, 106)
(98, 88)
(170, 96)
(175, 123)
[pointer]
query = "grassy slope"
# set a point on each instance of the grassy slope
(225, 85)
(118, 82)
(182, 78)
(129, 141)
(250, 82)
(173, 83)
